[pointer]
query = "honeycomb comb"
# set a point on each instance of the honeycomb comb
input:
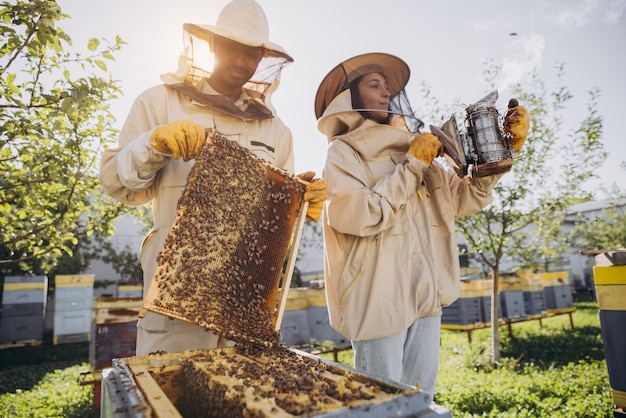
(225, 255)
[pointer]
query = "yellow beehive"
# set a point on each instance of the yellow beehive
(509, 283)
(471, 288)
(555, 278)
(531, 282)
(297, 299)
(485, 287)
(610, 283)
(68, 280)
(316, 297)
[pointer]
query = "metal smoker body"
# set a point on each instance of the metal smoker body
(484, 149)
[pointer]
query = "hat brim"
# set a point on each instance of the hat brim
(241, 36)
(396, 71)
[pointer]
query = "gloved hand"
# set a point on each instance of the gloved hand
(315, 194)
(183, 139)
(426, 147)
(516, 123)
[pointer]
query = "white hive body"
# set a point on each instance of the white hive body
(223, 258)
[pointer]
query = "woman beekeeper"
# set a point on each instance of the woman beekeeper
(391, 260)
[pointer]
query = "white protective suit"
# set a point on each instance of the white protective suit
(390, 244)
(134, 174)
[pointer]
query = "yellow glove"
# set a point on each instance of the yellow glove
(426, 147)
(315, 194)
(183, 139)
(516, 123)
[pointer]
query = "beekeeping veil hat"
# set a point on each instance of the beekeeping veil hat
(244, 22)
(332, 94)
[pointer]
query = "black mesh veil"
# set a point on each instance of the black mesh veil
(195, 67)
(401, 112)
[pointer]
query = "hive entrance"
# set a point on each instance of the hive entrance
(223, 259)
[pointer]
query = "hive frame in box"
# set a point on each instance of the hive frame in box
(133, 388)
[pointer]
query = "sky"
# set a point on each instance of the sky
(446, 44)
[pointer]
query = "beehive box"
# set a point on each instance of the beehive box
(127, 290)
(294, 327)
(610, 285)
(512, 304)
(113, 330)
(509, 283)
(463, 311)
(557, 290)
(467, 309)
(73, 301)
(534, 297)
(234, 383)
(534, 302)
(483, 288)
(23, 309)
(472, 288)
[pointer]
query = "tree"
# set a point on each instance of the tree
(602, 232)
(53, 127)
(523, 223)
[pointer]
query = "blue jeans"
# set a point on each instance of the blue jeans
(410, 357)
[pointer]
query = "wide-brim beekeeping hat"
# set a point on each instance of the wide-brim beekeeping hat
(395, 70)
(242, 21)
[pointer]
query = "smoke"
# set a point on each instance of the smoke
(577, 14)
(524, 51)
(614, 11)
(523, 56)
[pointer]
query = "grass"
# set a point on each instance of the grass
(549, 371)
(45, 382)
(546, 371)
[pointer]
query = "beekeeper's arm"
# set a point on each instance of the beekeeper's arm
(146, 145)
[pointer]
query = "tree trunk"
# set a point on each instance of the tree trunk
(495, 312)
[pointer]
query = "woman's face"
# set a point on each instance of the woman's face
(374, 94)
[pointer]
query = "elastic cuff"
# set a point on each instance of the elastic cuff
(153, 150)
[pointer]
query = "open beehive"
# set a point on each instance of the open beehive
(246, 382)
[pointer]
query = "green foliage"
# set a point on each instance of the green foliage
(545, 371)
(45, 382)
(58, 394)
(523, 224)
(540, 187)
(54, 123)
(601, 232)
(530, 392)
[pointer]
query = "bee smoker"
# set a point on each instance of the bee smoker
(484, 149)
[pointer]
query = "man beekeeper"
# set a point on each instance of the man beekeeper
(165, 131)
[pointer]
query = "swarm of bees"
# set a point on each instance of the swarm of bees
(223, 258)
(276, 382)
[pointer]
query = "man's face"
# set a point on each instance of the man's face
(234, 63)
